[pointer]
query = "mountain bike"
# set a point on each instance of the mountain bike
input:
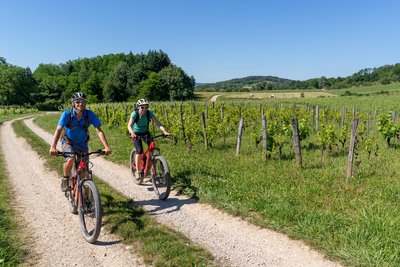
(83, 196)
(152, 164)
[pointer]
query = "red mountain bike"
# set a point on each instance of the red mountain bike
(83, 196)
(155, 165)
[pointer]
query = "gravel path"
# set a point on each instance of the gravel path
(214, 98)
(230, 239)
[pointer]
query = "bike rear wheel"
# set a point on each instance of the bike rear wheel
(90, 213)
(132, 166)
(161, 179)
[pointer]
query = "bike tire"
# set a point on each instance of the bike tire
(161, 178)
(132, 166)
(90, 213)
(70, 195)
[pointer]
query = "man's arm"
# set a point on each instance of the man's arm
(53, 148)
(103, 140)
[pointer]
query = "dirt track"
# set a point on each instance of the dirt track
(231, 240)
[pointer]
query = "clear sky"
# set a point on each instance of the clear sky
(213, 40)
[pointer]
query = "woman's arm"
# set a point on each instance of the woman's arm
(159, 125)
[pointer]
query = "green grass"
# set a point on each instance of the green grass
(159, 245)
(11, 250)
(14, 116)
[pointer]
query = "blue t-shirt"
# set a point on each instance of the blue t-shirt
(77, 133)
(141, 126)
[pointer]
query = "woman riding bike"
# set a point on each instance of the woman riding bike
(138, 125)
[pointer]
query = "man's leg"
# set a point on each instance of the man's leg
(68, 164)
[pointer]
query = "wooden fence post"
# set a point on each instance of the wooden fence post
(107, 116)
(344, 110)
(182, 125)
(296, 142)
(239, 139)
(203, 124)
(316, 118)
(351, 149)
(264, 137)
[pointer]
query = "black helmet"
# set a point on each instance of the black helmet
(78, 95)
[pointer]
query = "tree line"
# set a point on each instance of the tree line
(385, 74)
(108, 78)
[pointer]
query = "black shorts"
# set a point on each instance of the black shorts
(138, 142)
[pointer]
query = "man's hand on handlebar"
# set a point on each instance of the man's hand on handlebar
(53, 151)
(107, 150)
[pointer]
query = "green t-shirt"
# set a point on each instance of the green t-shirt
(141, 125)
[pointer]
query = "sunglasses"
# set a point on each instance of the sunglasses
(80, 102)
(144, 107)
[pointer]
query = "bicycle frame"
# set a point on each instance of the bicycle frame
(83, 196)
(81, 166)
(149, 153)
(153, 162)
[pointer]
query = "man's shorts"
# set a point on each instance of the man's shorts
(69, 148)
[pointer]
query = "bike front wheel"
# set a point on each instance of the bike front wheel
(132, 166)
(161, 178)
(90, 213)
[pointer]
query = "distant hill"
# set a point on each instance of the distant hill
(250, 80)
(384, 75)
(239, 84)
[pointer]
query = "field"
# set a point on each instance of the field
(353, 220)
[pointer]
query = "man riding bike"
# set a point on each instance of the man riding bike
(138, 125)
(75, 123)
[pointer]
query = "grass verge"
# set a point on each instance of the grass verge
(159, 245)
(11, 251)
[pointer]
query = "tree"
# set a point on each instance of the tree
(177, 82)
(116, 84)
(17, 85)
(153, 88)
(156, 61)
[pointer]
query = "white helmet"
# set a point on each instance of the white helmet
(142, 102)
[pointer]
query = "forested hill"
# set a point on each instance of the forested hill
(243, 82)
(384, 75)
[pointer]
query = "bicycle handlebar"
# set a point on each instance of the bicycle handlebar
(144, 138)
(82, 154)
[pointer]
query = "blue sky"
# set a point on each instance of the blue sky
(212, 40)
